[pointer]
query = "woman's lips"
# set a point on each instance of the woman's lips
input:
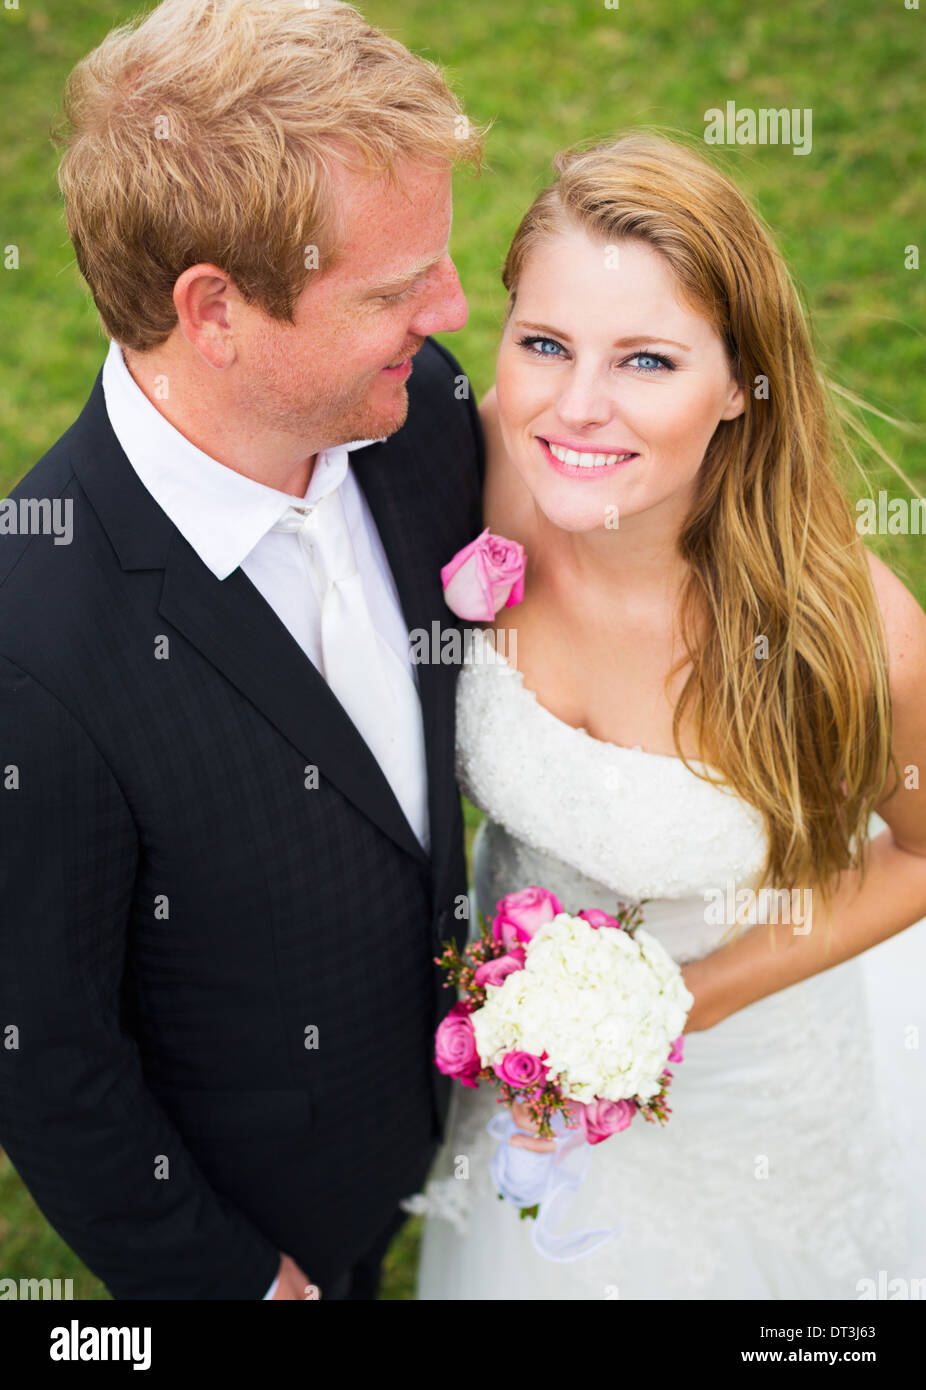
(586, 470)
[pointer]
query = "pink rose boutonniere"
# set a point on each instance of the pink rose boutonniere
(486, 575)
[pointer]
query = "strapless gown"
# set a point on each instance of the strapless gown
(789, 1167)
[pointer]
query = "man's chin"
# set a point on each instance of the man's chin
(381, 420)
(378, 415)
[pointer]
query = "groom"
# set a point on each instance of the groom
(231, 838)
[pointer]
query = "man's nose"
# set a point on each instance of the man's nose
(445, 310)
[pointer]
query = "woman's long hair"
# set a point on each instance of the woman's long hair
(798, 725)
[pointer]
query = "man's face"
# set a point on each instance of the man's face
(338, 374)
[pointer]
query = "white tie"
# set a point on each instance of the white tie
(361, 669)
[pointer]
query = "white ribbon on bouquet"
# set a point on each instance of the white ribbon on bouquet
(528, 1179)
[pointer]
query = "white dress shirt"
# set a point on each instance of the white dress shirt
(227, 518)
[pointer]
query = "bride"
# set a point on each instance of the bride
(700, 702)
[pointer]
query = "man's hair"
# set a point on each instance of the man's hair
(207, 131)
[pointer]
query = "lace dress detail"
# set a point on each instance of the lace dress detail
(776, 1176)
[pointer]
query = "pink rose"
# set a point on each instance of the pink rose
(596, 918)
(602, 1118)
(676, 1054)
(486, 575)
(519, 915)
(455, 1046)
(521, 1069)
(494, 971)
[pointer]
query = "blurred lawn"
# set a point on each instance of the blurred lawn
(548, 75)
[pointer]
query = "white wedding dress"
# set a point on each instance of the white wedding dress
(789, 1165)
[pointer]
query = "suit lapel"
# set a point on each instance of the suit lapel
(238, 632)
(231, 623)
(393, 480)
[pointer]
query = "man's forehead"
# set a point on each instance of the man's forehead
(410, 179)
(391, 231)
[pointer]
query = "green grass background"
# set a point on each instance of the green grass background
(547, 75)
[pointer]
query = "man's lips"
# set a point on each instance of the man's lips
(398, 367)
(402, 368)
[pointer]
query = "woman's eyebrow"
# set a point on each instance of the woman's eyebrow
(619, 342)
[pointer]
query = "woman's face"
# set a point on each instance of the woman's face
(600, 359)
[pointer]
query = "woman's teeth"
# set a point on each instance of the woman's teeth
(585, 460)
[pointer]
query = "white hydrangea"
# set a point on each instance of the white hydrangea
(604, 1006)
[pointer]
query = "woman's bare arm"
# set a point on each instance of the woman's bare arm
(894, 892)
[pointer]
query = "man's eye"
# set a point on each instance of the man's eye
(397, 298)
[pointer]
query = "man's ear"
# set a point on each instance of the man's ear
(201, 298)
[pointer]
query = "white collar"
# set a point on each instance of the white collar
(221, 513)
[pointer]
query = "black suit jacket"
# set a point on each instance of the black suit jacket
(183, 911)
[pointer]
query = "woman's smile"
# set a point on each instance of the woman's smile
(579, 461)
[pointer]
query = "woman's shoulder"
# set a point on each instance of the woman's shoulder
(508, 507)
(904, 625)
(905, 634)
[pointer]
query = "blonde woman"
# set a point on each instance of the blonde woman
(713, 687)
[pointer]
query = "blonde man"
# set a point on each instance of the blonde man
(235, 842)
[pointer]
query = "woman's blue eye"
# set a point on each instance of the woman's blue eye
(651, 357)
(531, 343)
(549, 347)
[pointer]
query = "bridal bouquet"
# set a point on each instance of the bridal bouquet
(575, 1016)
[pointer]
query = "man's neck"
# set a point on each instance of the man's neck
(189, 396)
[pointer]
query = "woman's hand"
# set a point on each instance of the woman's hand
(704, 1012)
(524, 1120)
